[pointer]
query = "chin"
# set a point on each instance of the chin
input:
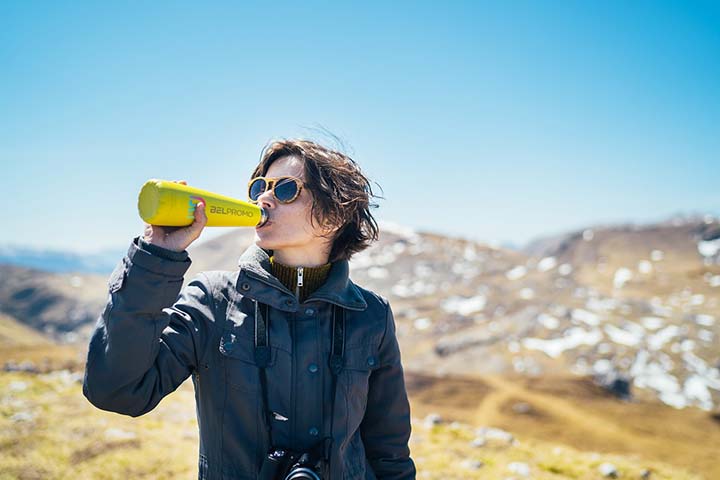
(265, 243)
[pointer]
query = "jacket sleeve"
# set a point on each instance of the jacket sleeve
(144, 346)
(385, 429)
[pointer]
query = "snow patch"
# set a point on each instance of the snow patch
(705, 320)
(378, 272)
(527, 294)
(586, 317)
(546, 264)
(516, 273)
(656, 341)
(572, 338)
(709, 248)
(422, 323)
(656, 255)
(622, 276)
(652, 323)
(465, 306)
(621, 336)
(548, 321)
(566, 269)
(645, 267)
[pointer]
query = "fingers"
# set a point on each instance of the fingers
(200, 220)
(200, 214)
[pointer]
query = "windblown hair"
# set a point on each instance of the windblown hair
(341, 193)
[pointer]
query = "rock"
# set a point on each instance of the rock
(473, 464)
(456, 426)
(608, 470)
(432, 419)
(26, 366)
(17, 386)
(645, 475)
(519, 468)
(478, 442)
(618, 385)
(489, 433)
(65, 377)
(521, 408)
(22, 417)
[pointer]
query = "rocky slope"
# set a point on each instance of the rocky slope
(636, 307)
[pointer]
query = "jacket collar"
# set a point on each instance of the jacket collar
(338, 289)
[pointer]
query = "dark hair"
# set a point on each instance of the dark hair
(341, 192)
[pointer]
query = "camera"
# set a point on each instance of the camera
(281, 464)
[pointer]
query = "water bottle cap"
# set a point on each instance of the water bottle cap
(263, 217)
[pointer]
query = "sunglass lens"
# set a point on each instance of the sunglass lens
(257, 188)
(286, 190)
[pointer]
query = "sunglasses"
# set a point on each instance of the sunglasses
(284, 189)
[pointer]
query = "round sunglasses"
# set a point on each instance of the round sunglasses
(284, 189)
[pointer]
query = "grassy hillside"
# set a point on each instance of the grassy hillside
(574, 413)
(563, 431)
(14, 333)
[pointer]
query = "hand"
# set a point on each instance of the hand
(177, 238)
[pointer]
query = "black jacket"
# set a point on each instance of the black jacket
(148, 340)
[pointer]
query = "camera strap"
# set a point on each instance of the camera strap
(335, 361)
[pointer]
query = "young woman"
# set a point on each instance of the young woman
(296, 369)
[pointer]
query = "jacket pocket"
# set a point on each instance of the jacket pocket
(359, 365)
(242, 372)
(243, 413)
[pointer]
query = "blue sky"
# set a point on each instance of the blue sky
(499, 121)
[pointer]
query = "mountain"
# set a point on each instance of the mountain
(629, 305)
(636, 307)
(59, 261)
(60, 305)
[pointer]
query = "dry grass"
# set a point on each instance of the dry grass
(58, 434)
(565, 429)
(574, 413)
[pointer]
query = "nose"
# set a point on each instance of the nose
(266, 199)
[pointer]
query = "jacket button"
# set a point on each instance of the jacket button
(245, 286)
(313, 368)
(289, 302)
(371, 361)
(309, 311)
(314, 431)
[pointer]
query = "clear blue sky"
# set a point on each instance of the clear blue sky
(499, 121)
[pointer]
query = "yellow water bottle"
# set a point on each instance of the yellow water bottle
(170, 204)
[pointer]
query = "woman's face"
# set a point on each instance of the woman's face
(289, 231)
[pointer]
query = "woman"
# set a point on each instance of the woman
(288, 355)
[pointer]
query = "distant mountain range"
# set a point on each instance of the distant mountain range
(61, 261)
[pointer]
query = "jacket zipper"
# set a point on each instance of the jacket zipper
(299, 282)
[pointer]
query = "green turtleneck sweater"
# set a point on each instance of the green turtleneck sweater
(310, 277)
